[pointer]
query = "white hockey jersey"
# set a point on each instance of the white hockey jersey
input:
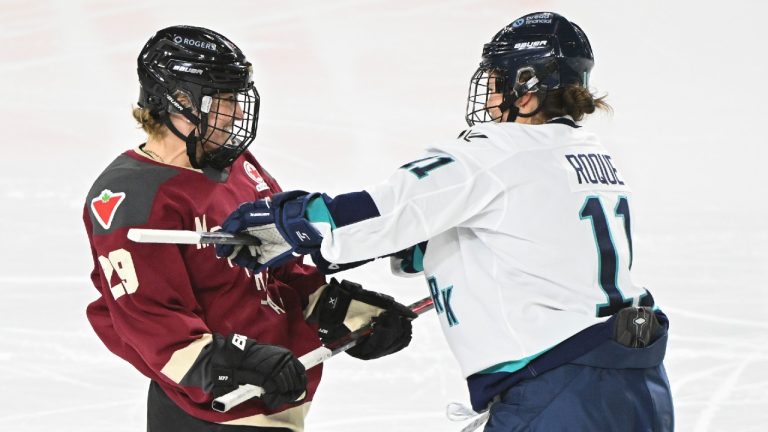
(529, 237)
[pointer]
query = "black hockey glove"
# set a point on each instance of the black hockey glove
(345, 307)
(391, 333)
(239, 360)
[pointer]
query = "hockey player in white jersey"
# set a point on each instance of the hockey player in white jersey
(522, 228)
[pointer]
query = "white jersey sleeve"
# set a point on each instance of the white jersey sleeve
(419, 201)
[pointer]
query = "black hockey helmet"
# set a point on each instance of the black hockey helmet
(543, 49)
(194, 64)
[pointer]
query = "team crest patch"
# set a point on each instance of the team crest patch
(105, 205)
(253, 173)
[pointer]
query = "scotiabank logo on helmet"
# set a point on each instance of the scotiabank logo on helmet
(195, 43)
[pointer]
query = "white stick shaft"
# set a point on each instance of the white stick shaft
(247, 391)
(142, 235)
(313, 358)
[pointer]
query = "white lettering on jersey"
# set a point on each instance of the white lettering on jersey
(201, 226)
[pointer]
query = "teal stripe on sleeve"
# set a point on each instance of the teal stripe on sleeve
(317, 211)
(418, 259)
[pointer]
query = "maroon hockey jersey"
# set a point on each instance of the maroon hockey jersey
(160, 304)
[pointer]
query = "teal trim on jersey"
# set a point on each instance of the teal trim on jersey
(624, 219)
(511, 366)
(417, 259)
(317, 211)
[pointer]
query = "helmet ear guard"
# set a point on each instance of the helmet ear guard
(520, 87)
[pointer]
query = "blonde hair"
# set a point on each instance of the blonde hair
(152, 124)
(149, 123)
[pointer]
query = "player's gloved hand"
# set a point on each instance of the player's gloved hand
(341, 308)
(279, 225)
(239, 360)
(391, 333)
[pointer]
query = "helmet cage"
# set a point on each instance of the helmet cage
(480, 90)
(228, 125)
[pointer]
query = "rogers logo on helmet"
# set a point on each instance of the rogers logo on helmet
(530, 45)
(195, 43)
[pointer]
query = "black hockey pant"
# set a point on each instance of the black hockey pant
(165, 416)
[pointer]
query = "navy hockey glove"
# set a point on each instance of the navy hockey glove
(279, 224)
(341, 308)
(239, 360)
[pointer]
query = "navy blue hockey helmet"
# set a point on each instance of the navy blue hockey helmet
(203, 76)
(538, 52)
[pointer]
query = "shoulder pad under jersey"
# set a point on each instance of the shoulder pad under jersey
(124, 193)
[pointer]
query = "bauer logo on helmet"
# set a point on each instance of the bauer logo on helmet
(530, 45)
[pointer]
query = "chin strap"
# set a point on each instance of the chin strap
(191, 143)
(191, 139)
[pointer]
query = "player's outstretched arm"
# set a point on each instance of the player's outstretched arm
(422, 199)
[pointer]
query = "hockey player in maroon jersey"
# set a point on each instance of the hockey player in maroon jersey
(198, 326)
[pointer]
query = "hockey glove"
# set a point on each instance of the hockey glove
(391, 333)
(279, 224)
(341, 308)
(239, 360)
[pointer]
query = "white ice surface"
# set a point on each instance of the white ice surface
(352, 89)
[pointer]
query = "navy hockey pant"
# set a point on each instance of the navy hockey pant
(163, 415)
(611, 388)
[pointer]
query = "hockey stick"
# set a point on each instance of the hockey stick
(141, 235)
(313, 358)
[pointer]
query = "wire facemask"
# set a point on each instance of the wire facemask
(225, 125)
(225, 128)
(228, 126)
(486, 82)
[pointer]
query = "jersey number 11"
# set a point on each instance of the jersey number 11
(608, 259)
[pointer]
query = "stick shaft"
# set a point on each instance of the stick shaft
(141, 235)
(313, 358)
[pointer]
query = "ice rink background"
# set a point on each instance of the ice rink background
(352, 89)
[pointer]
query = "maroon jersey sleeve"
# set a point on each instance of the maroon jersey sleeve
(147, 312)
